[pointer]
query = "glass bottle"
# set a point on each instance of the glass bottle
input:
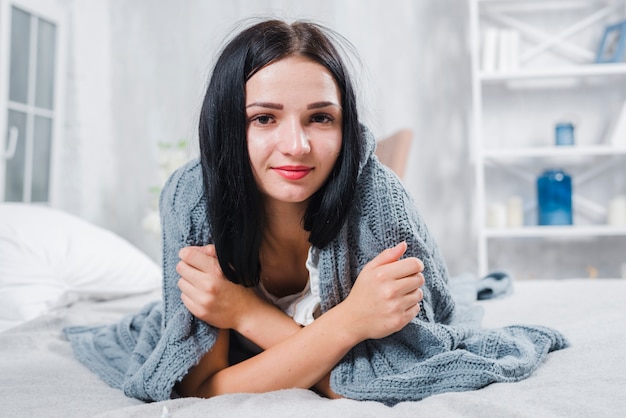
(554, 197)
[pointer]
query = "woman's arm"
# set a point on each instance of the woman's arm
(211, 297)
(385, 297)
(300, 360)
(265, 324)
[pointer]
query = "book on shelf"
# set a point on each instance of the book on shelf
(490, 48)
(500, 50)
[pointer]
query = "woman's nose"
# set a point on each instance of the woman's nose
(294, 139)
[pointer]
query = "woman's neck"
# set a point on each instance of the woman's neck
(284, 250)
(284, 226)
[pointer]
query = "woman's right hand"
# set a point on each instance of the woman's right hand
(208, 294)
(385, 296)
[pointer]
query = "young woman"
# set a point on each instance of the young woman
(294, 131)
(293, 258)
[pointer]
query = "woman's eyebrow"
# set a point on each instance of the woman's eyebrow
(319, 105)
(278, 106)
(268, 105)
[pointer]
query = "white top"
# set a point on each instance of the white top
(304, 306)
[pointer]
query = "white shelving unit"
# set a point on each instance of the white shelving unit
(548, 75)
(558, 72)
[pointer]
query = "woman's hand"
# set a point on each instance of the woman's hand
(385, 296)
(207, 293)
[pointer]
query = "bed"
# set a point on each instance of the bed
(41, 378)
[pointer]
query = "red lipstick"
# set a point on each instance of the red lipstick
(293, 172)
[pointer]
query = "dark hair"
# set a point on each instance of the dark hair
(234, 202)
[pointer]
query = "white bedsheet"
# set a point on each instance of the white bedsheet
(41, 378)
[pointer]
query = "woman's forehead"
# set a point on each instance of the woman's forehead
(290, 78)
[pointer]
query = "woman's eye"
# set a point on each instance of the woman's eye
(321, 118)
(262, 119)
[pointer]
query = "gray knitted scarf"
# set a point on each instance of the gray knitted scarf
(147, 353)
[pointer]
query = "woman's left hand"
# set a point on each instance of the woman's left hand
(207, 293)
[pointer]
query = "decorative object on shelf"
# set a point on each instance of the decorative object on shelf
(501, 49)
(506, 215)
(554, 197)
(496, 215)
(618, 132)
(556, 80)
(489, 49)
(508, 51)
(613, 44)
(564, 133)
(617, 211)
(514, 212)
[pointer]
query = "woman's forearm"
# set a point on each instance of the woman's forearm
(266, 325)
(384, 299)
(300, 360)
(212, 298)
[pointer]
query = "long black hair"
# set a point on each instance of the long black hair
(235, 208)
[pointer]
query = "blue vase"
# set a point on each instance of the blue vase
(564, 134)
(554, 197)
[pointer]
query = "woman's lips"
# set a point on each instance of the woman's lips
(293, 172)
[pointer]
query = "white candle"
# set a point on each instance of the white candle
(515, 212)
(496, 215)
(617, 211)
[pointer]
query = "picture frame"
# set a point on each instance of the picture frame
(613, 44)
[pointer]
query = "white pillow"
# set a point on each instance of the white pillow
(50, 258)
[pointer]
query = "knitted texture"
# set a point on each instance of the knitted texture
(147, 353)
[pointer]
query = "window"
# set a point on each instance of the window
(29, 105)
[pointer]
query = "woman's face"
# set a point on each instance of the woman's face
(294, 125)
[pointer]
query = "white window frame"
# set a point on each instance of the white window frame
(52, 11)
